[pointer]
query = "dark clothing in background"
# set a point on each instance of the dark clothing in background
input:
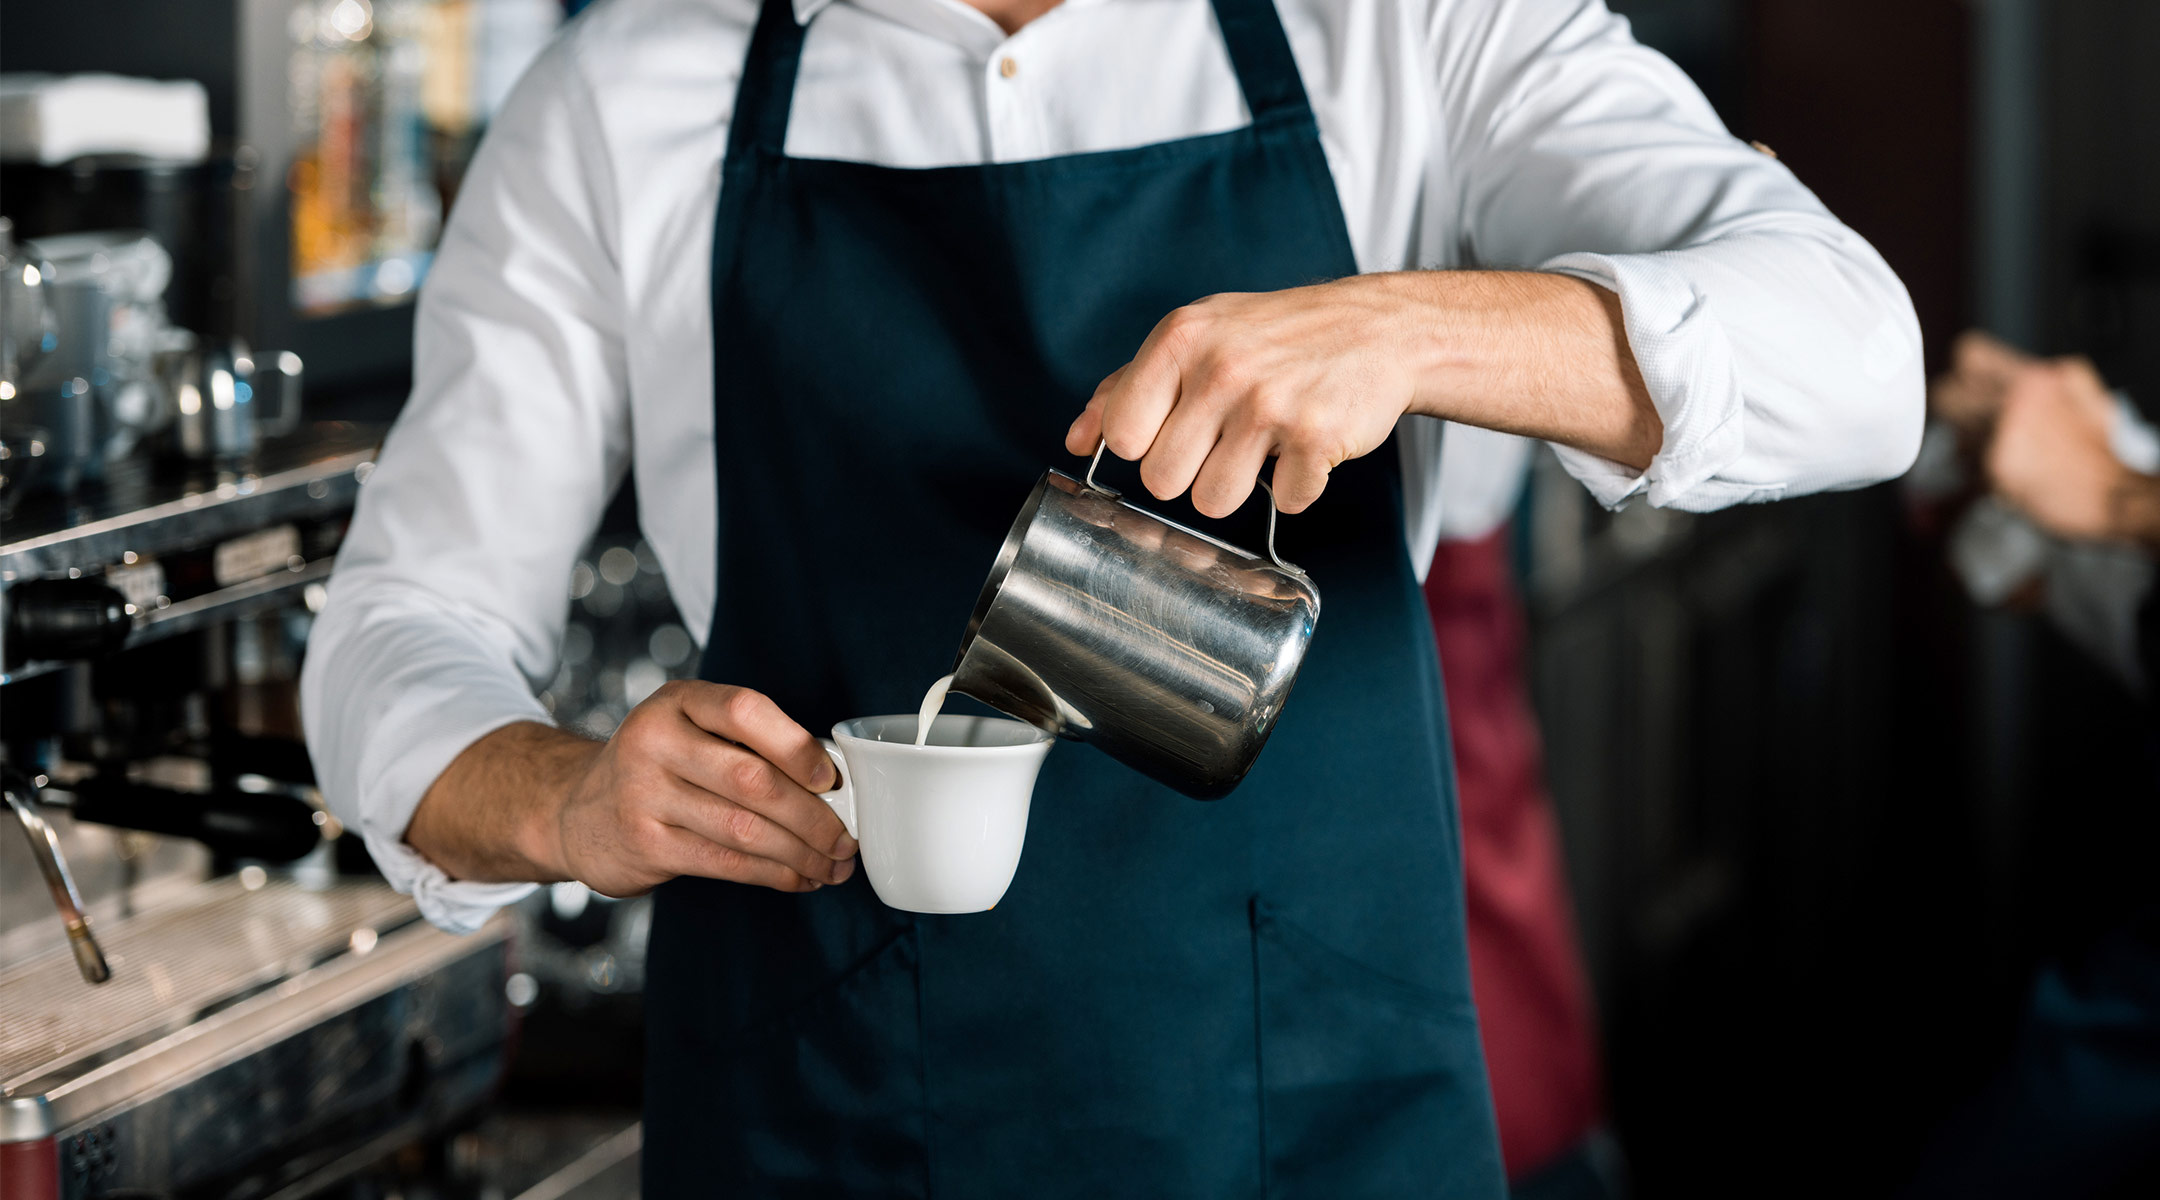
(1526, 966)
(2076, 1110)
(2149, 638)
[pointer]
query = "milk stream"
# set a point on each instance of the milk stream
(932, 701)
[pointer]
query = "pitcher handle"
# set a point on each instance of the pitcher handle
(1104, 488)
(1288, 568)
(1273, 512)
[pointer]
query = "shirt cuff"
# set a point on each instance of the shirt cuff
(2133, 439)
(456, 906)
(415, 745)
(1693, 381)
(2095, 593)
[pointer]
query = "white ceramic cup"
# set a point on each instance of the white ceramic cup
(940, 825)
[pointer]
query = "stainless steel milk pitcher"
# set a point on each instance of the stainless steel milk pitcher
(1165, 648)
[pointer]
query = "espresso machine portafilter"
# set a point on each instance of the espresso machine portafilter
(21, 795)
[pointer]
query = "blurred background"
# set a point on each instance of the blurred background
(1824, 814)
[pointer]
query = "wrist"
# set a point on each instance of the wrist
(2134, 510)
(563, 761)
(495, 815)
(1531, 353)
(536, 837)
(1429, 321)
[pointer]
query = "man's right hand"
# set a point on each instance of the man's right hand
(700, 779)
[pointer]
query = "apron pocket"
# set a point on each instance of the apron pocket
(1370, 1085)
(826, 1098)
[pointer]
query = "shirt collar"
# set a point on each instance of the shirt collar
(952, 21)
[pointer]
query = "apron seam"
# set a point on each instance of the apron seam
(1252, 917)
(922, 1060)
(1118, 160)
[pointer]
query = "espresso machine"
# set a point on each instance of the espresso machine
(199, 994)
(203, 989)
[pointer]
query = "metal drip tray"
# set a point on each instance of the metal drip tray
(175, 966)
(247, 1042)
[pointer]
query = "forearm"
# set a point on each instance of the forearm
(1521, 352)
(692, 782)
(494, 813)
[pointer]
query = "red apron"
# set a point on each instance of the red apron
(1526, 970)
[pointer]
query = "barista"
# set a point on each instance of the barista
(836, 279)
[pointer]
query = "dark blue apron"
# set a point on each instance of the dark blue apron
(1266, 995)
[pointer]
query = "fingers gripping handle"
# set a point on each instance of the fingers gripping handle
(842, 797)
(1288, 568)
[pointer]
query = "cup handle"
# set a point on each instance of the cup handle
(842, 797)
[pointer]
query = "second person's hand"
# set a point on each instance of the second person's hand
(2051, 455)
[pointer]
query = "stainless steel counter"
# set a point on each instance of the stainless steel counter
(279, 1020)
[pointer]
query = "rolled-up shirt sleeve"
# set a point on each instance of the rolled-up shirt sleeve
(1779, 349)
(447, 607)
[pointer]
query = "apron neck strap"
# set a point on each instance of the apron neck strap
(768, 82)
(1252, 32)
(1260, 54)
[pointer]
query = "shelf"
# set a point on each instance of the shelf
(195, 612)
(149, 509)
(146, 511)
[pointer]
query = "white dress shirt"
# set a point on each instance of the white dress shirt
(565, 333)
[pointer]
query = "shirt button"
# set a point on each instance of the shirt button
(1007, 67)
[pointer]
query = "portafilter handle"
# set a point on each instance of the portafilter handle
(21, 794)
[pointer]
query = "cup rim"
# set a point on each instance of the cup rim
(1040, 739)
